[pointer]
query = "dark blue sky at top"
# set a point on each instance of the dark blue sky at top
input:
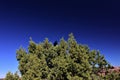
(95, 23)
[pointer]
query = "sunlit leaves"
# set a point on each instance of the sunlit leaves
(11, 76)
(65, 60)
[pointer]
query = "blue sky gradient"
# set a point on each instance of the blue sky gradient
(96, 24)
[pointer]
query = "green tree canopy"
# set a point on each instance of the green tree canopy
(63, 60)
(11, 76)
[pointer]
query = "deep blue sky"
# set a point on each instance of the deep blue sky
(95, 23)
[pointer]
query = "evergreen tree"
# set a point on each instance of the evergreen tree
(67, 60)
(11, 76)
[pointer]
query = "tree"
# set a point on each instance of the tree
(11, 76)
(67, 60)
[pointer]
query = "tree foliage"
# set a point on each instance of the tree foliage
(11, 76)
(66, 60)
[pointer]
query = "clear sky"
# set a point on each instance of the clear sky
(95, 23)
